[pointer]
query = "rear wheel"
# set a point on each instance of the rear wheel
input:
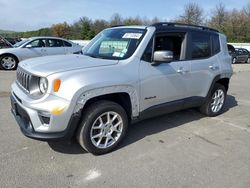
(215, 101)
(103, 127)
(8, 62)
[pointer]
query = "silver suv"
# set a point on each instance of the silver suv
(125, 74)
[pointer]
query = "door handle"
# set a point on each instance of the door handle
(182, 71)
(213, 67)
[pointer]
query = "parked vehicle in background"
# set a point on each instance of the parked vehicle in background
(35, 47)
(240, 55)
(231, 49)
(13, 40)
(125, 74)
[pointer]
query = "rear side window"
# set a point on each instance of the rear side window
(215, 44)
(246, 51)
(201, 46)
(55, 43)
(67, 44)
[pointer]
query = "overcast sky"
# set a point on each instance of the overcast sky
(23, 15)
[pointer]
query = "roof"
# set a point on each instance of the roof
(48, 37)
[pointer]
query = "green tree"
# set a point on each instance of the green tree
(99, 25)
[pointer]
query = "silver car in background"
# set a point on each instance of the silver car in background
(35, 47)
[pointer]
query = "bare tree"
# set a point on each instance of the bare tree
(116, 19)
(61, 30)
(246, 10)
(193, 14)
(219, 18)
(133, 21)
(155, 20)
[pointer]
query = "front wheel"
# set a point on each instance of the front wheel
(215, 101)
(8, 62)
(234, 60)
(248, 60)
(103, 127)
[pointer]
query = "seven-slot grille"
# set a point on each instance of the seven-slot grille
(23, 78)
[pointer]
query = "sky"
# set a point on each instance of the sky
(25, 15)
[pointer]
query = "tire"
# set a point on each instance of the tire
(8, 62)
(213, 107)
(234, 60)
(94, 133)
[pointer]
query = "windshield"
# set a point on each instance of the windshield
(116, 43)
(20, 43)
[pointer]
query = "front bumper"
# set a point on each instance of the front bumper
(25, 123)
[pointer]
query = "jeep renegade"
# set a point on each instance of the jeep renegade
(125, 74)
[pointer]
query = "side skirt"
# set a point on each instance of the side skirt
(169, 107)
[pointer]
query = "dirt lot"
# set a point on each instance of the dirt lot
(182, 149)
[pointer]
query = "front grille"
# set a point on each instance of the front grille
(23, 79)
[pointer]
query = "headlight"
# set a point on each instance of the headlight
(43, 85)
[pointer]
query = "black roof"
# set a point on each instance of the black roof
(177, 26)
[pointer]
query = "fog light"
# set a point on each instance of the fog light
(44, 117)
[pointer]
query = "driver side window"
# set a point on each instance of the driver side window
(166, 42)
(39, 43)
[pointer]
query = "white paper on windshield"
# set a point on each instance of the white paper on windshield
(116, 54)
(132, 35)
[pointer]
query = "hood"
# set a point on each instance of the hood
(44, 66)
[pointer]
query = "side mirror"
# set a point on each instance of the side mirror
(163, 56)
(28, 46)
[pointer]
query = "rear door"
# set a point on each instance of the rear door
(204, 62)
(55, 47)
(69, 48)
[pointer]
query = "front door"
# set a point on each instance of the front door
(35, 48)
(165, 82)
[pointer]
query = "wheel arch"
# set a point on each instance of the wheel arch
(10, 54)
(221, 80)
(122, 99)
(224, 82)
(124, 95)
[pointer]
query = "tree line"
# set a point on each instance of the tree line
(234, 23)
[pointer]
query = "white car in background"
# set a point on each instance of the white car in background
(35, 47)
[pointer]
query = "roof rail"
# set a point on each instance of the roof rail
(173, 24)
(118, 25)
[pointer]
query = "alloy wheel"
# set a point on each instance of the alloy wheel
(218, 99)
(8, 63)
(106, 130)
